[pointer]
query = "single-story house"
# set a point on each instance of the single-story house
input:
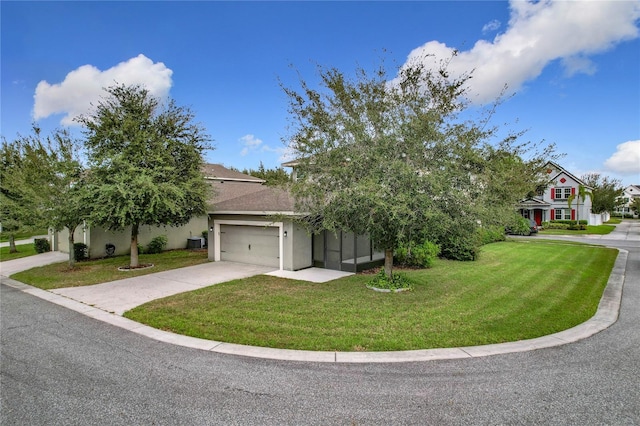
(247, 222)
(553, 202)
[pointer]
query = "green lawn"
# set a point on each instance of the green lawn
(24, 250)
(591, 230)
(103, 270)
(517, 290)
(4, 236)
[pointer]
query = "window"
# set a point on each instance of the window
(562, 214)
(562, 193)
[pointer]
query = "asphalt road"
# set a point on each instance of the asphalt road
(61, 367)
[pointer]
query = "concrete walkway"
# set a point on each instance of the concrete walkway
(21, 242)
(108, 301)
(123, 295)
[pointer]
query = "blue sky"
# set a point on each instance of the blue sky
(574, 66)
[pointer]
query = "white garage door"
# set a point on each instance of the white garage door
(257, 245)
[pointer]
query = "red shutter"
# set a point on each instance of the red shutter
(553, 197)
(553, 214)
(573, 191)
(573, 214)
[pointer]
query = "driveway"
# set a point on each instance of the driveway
(122, 295)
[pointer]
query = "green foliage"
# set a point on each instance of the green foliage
(635, 205)
(272, 177)
(491, 234)
(145, 161)
(384, 156)
(606, 191)
(396, 281)
(157, 245)
(42, 183)
(81, 251)
(566, 224)
(417, 255)
(581, 195)
(519, 226)
(41, 245)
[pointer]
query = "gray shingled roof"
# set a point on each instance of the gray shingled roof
(219, 172)
(237, 192)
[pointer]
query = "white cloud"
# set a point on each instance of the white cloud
(250, 142)
(84, 86)
(626, 159)
(491, 26)
(538, 33)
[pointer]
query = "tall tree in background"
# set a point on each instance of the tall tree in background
(391, 158)
(145, 160)
(42, 183)
(272, 177)
(606, 192)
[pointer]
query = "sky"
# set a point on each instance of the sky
(572, 68)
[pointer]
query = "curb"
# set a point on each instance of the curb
(605, 316)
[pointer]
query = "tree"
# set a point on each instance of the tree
(582, 194)
(42, 182)
(272, 177)
(635, 205)
(392, 160)
(145, 162)
(606, 192)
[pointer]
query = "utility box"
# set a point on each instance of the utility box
(195, 243)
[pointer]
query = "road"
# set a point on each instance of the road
(60, 367)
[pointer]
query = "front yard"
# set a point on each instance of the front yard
(517, 290)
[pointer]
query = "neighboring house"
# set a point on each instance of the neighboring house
(246, 222)
(631, 193)
(552, 203)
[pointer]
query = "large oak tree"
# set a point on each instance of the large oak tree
(392, 158)
(145, 161)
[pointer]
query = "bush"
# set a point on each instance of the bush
(396, 282)
(491, 234)
(41, 245)
(205, 235)
(80, 251)
(417, 255)
(519, 226)
(157, 245)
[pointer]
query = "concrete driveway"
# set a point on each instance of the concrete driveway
(123, 295)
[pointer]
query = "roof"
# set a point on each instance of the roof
(560, 170)
(219, 172)
(247, 197)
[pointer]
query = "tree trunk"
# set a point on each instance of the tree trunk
(72, 249)
(388, 262)
(12, 244)
(134, 263)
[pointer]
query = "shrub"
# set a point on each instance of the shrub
(417, 255)
(491, 234)
(157, 245)
(397, 281)
(205, 235)
(41, 245)
(519, 226)
(80, 251)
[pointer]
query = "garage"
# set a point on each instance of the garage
(258, 245)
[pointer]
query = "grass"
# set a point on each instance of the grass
(517, 290)
(591, 230)
(4, 236)
(24, 250)
(104, 270)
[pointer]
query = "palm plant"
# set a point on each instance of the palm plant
(581, 195)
